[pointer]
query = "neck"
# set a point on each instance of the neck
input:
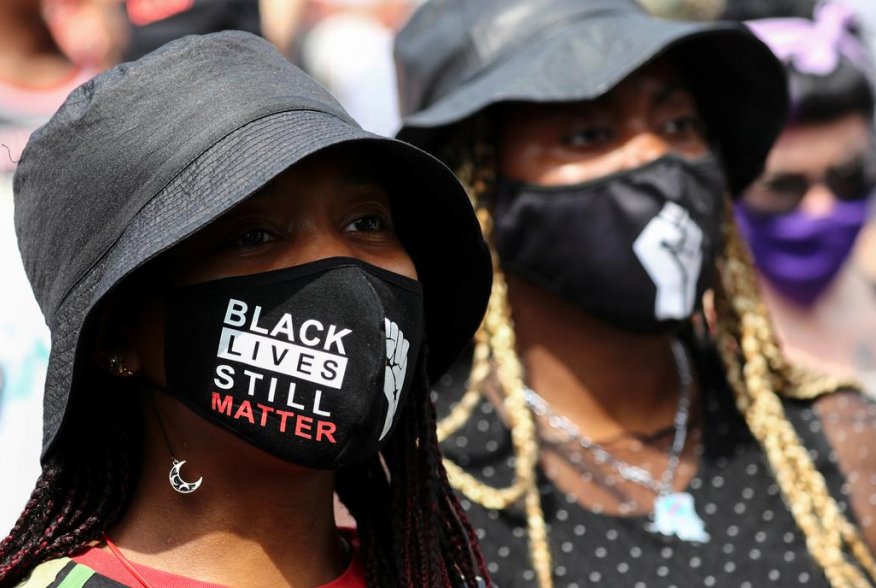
(28, 54)
(605, 380)
(255, 520)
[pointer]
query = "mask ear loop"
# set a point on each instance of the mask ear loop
(175, 476)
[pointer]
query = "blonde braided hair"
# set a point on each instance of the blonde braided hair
(757, 371)
(495, 354)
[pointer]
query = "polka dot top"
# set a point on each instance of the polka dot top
(754, 541)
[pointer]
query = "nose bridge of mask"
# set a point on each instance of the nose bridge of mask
(674, 172)
(361, 435)
(401, 328)
(666, 177)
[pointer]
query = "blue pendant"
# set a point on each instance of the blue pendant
(675, 514)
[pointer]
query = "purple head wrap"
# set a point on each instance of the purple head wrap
(815, 46)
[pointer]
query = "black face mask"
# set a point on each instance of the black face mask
(311, 364)
(635, 249)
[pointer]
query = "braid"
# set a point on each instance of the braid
(495, 355)
(757, 371)
(411, 526)
(85, 486)
(365, 492)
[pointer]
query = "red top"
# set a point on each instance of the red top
(106, 564)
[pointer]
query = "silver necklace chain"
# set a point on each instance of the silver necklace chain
(626, 470)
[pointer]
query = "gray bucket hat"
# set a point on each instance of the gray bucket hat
(148, 153)
(457, 57)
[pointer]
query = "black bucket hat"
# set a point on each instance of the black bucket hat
(148, 153)
(457, 57)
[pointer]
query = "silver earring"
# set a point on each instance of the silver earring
(117, 366)
(176, 481)
(175, 476)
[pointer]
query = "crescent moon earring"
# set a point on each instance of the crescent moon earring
(176, 481)
(175, 476)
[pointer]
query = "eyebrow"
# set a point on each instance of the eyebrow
(669, 91)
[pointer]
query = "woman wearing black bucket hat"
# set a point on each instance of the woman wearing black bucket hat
(241, 286)
(599, 433)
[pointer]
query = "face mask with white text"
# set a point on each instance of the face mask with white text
(311, 363)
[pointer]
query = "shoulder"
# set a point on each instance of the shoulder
(839, 415)
(848, 406)
(848, 419)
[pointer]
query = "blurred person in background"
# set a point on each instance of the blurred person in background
(35, 74)
(101, 33)
(91, 33)
(865, 10)
(280, 20)
(152, 23)
(35, 78)
(602, 435)
(803, 217)
(347, 45)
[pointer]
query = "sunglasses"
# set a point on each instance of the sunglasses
(782, 192)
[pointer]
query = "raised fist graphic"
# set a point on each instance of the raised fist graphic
(396, 366)
(671, 251)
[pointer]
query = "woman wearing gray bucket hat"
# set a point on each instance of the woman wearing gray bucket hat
(241, 286)
(610, 431)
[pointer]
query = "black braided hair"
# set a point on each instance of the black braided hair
(411, 527)
(85, 486)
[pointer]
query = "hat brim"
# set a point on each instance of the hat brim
(451, 258)
(739, 84)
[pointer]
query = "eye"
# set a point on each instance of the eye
(252, 238)
(689, 125)
(368, 223)
(794, 184)
(588, 136)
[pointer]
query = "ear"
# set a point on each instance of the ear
(112, 350)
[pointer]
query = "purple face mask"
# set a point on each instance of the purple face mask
(800, 254)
